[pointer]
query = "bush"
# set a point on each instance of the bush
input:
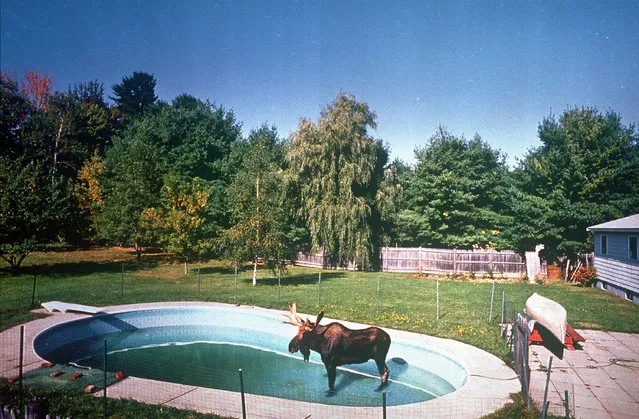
(585, 276)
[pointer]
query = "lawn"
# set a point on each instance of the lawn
(402, 301)
(112, 276)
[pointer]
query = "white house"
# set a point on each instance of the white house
(616, 258)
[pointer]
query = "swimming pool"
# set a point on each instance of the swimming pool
(206, 345)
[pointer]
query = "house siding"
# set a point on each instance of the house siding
(616, 268)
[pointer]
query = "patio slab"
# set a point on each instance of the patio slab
(601, 377)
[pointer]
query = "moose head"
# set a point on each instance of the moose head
(339, 345)
(305, 332)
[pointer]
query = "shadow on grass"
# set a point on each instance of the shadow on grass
(300, 279)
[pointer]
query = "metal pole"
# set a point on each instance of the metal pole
(377, 311)
(492, 298)
(545, 406)
(525, 366)
(122, 279)
(105, 378)
(20, 367)
(384, 405)
(437, 301)
(235, 280)
(503, 301)
(35, 281)
(198, 279)
(242, 392)
(319, 289)
(566, 404)
(279, 283)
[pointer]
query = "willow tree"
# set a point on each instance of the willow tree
(345, 186)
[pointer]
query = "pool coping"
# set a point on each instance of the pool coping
(488, 386)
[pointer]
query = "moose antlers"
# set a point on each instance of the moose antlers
(296, 320)
(293, 318)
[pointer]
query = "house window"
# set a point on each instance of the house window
(604, 245)
(632, 247)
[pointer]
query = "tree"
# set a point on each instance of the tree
(189, 140)
(586, 172)
(340, 170)
(32, 209)
(455, 197)
(181, 216)
(135, 94)
(37, 88)
(258, 205)
(14, 110)
(131, 184)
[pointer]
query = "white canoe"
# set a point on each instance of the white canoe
(549, 314)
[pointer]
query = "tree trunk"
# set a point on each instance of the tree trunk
(255, 272)
(138, 251)
(58, 137)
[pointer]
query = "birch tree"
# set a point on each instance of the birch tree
(257, 203)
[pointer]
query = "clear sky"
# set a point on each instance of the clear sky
(495, 68)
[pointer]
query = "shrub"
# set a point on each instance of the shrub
(585, 276)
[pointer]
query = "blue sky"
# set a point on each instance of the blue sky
(486, 67)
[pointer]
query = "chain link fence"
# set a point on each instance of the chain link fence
(241, 396)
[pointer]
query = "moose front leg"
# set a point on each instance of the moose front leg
(331, 370)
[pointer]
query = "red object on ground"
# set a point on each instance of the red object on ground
(47, 365)
(14, 379)
(119, 375)
(89, 388)
(570, 339)
(76, 376)
(57, 373)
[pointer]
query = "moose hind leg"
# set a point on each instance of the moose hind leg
(384, 371)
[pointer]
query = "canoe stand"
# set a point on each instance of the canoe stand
(571, 338)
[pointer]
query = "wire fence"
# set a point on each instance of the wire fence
(198, 384)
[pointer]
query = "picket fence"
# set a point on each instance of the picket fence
(430, 260)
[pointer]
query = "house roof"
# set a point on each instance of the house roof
(630, 224)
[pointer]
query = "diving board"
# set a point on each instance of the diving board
(64, 307)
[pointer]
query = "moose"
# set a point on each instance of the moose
(339, 345)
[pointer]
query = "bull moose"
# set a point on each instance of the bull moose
(339, 345)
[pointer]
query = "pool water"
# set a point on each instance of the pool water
(189, 352)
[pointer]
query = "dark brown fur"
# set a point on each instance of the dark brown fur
(339, 345)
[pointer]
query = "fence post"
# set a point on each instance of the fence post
(319, 289)
(279, 284)
(198, 278)
(437, 301)
(235, 281)
(242, 393)
(33, 295)
(525, 366)
(105, 378)
(384, 405)
(20, 367)
(492, 298)
(545, 406)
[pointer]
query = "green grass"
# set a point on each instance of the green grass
(88, 406)
(95, 277)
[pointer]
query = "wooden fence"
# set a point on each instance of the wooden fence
(426, 260)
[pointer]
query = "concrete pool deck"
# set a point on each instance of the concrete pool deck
(601, 377)
(487, 388)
